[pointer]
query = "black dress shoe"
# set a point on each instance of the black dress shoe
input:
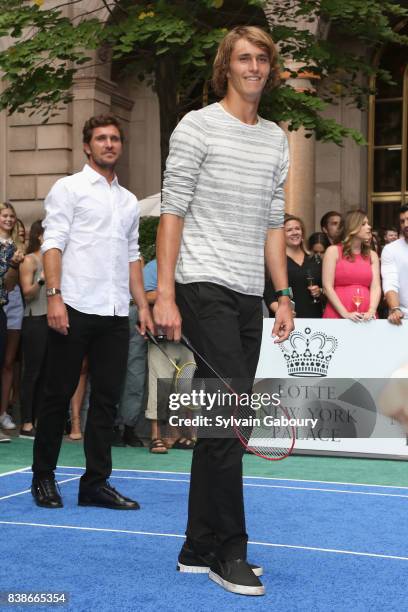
(130, 438)
(45, 492)
(105, 496)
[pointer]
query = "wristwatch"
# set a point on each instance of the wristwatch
(285, 292)
(53, 291)
(395, 308)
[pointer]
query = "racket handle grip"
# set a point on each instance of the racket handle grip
(150, 336)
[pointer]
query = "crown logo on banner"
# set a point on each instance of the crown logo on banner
(308, 353)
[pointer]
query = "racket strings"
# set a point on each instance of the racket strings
(264, 432)
(184, 377)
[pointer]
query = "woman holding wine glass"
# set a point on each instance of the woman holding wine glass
(304, 274)
(351, 273)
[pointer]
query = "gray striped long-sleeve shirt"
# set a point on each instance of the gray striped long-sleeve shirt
(226, 178)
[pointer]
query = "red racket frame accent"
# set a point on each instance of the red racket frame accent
(188, 344)
(268, 458)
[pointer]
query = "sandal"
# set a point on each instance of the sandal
(75, 436)
(157, 447)
(184, 444)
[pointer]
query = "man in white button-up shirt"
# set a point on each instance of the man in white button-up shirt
(394, 272)
(91, 260)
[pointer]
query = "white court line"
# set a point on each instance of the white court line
(176, 535)
(29, 490)
(324, 490)
(351, 484)
(262, 486)
(137, 478)
(20, 471)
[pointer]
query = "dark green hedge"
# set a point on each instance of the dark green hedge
(147, 237)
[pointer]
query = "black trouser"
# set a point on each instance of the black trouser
(105, 340)
(34, 339)
(3, 335)
(226, 327)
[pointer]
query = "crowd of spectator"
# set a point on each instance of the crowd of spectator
(333, 273)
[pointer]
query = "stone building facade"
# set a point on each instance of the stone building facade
(34, 155)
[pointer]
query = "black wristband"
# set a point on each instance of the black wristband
(14, 266)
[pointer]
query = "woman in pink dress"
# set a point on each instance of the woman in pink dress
(351, 273)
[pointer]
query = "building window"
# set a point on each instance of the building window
(388, 140)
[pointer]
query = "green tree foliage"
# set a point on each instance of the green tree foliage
(172, 44)
(147, 237)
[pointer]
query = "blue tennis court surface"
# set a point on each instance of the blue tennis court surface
(324, 546)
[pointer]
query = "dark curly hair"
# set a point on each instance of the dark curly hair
(100, 121)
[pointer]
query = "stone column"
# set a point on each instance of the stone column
(3, 156)
(300, 185)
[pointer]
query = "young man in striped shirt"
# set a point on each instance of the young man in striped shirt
(222, 215)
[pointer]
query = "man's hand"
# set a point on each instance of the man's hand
(393, 400)
(145, 321)
(167, 316)
(395, 317)
(57, 315)
(283, 322)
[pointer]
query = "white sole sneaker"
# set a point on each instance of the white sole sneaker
(240, 589)
(7, 424)
(192, 569)
(202, 569)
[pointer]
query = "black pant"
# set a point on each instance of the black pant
(226, 327)
(34, 339)
(105, 340)
(3, 335)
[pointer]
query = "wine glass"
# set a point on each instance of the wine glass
(357, 298)
(310, 282)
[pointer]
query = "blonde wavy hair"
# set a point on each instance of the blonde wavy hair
(302, 227)
(14, 232)
(255, 36)
(352, 225)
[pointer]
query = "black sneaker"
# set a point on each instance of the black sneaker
(130, 438)
(118, 437)
(236, 576)
(45, 492)
(191, 562)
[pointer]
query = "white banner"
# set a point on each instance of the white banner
(308, 367)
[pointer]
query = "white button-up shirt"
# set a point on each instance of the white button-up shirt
(96, 227)
(394, 271)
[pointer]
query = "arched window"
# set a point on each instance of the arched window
(388, 140)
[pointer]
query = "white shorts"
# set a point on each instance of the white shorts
(14, 309)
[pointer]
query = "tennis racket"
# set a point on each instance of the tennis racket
(266, 432)
(184, 373)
